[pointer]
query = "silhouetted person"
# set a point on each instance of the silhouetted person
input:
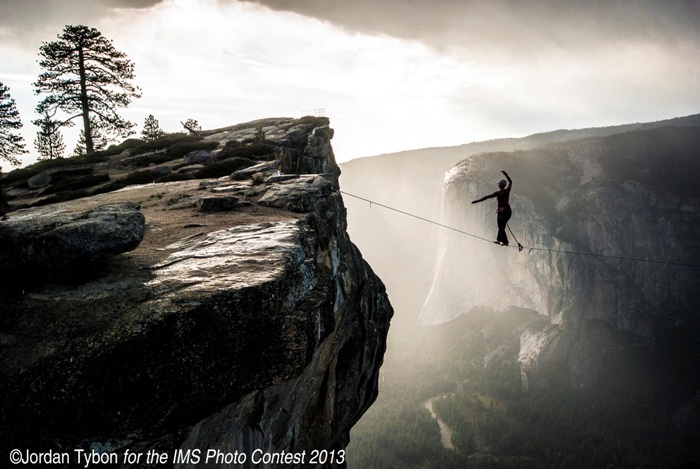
(503, 211)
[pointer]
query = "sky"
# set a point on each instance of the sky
(391, 75)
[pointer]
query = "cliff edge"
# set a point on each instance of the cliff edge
(245, 320)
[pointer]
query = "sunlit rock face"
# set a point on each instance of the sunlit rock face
(256, 328)
(630, 195)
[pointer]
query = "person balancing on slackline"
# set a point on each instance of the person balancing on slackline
(503, 211)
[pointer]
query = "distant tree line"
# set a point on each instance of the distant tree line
(495, 422)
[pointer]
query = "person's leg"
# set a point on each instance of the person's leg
(502, 220)
(502, 237)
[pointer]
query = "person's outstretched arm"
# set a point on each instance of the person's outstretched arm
(490, 196)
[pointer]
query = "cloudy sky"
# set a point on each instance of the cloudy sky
(391, 74)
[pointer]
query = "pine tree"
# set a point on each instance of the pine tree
(11, 144)
(151, 129)
(86, 77)
(49, 141)
(192, 126)
(99, 141)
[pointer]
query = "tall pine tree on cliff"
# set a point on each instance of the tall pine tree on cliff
(86, 77)
(11, 144)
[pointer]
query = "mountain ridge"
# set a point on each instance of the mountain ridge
(555, 135)
(413, 181)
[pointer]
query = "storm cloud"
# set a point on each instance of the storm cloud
(479, 69)
(28, 13)
(21, 20)
(518, 29)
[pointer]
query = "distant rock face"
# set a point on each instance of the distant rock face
(623, 196)
(255, 328)
(47, 243)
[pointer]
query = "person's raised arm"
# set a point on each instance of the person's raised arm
(510, 181)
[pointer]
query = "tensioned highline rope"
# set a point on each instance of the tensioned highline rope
(520, 246)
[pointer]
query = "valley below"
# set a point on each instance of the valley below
(580, 350)
(492, 421)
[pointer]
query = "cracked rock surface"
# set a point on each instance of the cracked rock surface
(257, 327)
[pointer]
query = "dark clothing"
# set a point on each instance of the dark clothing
(502, 196)
(503, 212)
(502, 217)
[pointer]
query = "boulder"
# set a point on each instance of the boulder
(266, 167)
(40, 180)
(198, 157)
(47, 243)
(161, 170)
(216, 203)
(298, 195)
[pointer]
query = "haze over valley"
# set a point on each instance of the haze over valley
(566, 353)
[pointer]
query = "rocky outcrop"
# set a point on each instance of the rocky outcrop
(257, 328)
(270, 147)
(597, 210)
(297, 195)
(316, 158)
(51, 242)
(301, 146)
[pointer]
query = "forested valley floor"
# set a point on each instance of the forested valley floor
(471, 363)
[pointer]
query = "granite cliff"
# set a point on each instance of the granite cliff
(540, 359)
(236, 315)
(629, 195)
(413, 181)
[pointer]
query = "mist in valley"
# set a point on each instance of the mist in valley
(538, 357)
